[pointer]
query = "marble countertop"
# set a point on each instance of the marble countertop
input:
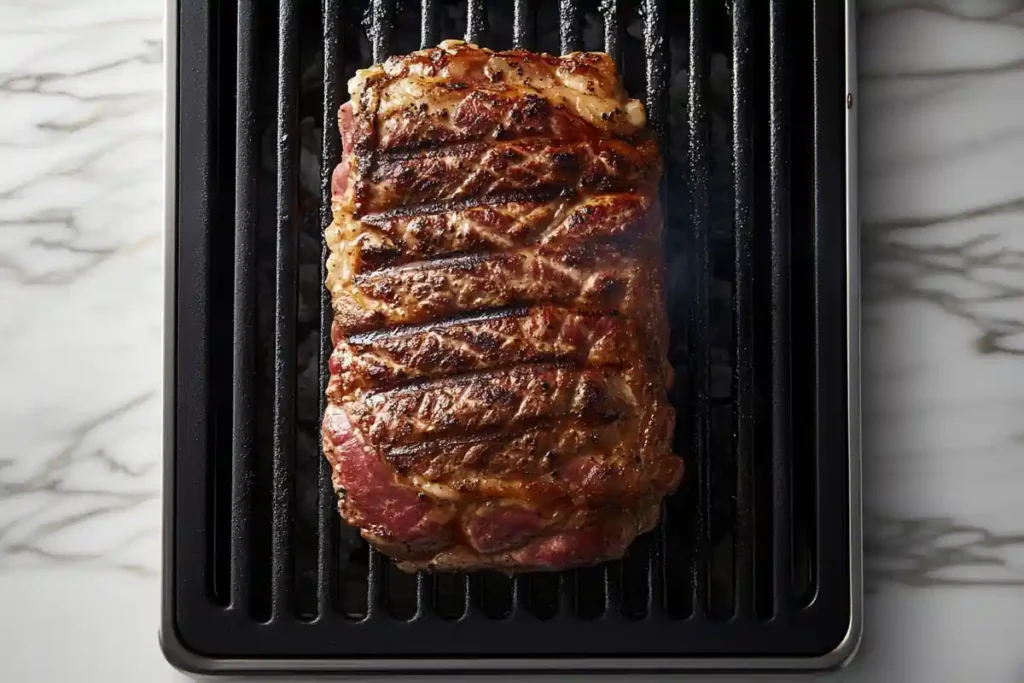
(942, 204)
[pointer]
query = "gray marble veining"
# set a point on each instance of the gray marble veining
(81, 272)
(942, 98)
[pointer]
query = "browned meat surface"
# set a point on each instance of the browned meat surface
(498, 383)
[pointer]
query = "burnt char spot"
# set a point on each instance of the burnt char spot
(374, 254)
(567, 162)
(497, 395)
(479, 113)
(530, 110)
(433, 354)
(485, 344)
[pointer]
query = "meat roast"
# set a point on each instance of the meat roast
(498, 389)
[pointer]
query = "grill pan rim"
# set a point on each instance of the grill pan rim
(180, 655)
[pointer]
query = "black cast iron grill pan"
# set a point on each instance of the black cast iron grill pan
(755, 563)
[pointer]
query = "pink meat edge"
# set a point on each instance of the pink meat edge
(574, 548)
(339, 179)
(494, 529)
(373, 497)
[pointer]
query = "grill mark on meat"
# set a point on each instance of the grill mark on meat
(432, 290)
(588, 465)
(622, 218)
(543, 334)
(524, 396)
(462, 318)
(473, 377)
(475, 230)
(578, 436)
(487, 114)
(599, 165)
(581, 461)
(480, 228)
(470, 374)
(492, 199)
(607, 218)
(457, 262)
(467, 144)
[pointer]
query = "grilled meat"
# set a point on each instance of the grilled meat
(498, 381)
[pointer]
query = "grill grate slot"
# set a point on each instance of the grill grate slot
(589, 597)
(803, 288)
(542, 595)
(211, 290)
(742, 303)
(244, 362)
(400, 599)
(828, 496)
(285, 300)
(751, 556)
(494, 595)
(699, 329)
(327, 518)
(634, 586)
(355, 590)
(656, 60)
(782, 441)
(451, 596)
(761, 490)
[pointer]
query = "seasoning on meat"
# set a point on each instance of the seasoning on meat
(498, 381)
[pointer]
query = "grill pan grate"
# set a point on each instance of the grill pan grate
(753, 557)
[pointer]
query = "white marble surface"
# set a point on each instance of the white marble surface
(942, 180)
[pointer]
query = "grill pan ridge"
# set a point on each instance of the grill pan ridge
(756, 564)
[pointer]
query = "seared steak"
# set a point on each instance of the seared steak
(499, 375)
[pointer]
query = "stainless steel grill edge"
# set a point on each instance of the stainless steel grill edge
(251, 623)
